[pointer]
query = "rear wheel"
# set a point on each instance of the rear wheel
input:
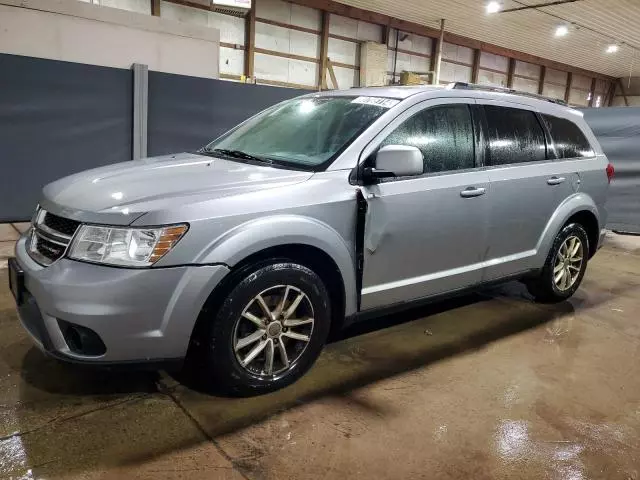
(268, 331)
(565, 266)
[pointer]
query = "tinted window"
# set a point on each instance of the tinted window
(443, 134)
(514, 136)
(568, 139)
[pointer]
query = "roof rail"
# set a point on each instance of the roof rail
(489, 88)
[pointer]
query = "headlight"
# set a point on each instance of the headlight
(128, 247)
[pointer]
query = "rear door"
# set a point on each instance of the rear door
(527, 186)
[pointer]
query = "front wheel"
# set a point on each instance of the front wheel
(565, 266)
(268, 331)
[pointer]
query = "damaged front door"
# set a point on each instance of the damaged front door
(426, 235)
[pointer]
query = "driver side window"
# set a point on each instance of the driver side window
(444, 135)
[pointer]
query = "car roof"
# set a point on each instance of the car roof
(473, 91)
(397, 91)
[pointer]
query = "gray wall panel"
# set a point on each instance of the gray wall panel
(57, 118)
(618, 131)
(186, 113)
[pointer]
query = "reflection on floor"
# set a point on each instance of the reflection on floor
(489, 385)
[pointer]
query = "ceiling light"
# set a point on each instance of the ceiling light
(562, 30)
(612, 48)
(493, 7)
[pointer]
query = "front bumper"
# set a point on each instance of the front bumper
(140, 315)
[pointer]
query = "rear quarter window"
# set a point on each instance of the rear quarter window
(568, 139)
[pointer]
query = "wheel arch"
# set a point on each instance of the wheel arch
(300, 239)
(579, 208)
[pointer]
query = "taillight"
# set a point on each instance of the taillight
(610, 172)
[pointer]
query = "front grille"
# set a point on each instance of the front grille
(48, 249)
(59, 224)
(50, 237)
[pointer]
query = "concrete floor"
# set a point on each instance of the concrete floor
(489, 386)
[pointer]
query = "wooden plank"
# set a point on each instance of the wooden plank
(526, 77)
(415, 54)
(229, 76)
(592, 92)
(234, 46)
(411, 27)
(324, 49)
(250, 41)
(287, 25)
(278, 83)
(293, 56)
(155, 8)
(543, 74)
(456, 62)
(332, 74)
(344, 39)
(345, 65)
(475, 68)
(510, 70)
(567, 90)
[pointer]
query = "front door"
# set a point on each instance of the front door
(426, 235)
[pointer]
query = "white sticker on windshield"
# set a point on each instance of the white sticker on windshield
(379, 101)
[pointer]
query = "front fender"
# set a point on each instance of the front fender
(571, 205)
(256, 235)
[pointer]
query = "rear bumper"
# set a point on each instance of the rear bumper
(140, 315)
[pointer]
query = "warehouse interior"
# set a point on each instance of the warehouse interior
(488, 384)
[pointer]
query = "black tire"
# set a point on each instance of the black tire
(220, 369)
(543, 287)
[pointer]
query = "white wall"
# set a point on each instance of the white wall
(80, 32)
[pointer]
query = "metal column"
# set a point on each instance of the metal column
(140, 109)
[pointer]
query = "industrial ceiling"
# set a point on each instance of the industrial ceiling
(593, 26)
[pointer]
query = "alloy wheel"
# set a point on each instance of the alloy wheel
(568, 263)
(273, 330)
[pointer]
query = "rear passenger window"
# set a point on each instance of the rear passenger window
(514, 136)
(443, 134)
(568, 139)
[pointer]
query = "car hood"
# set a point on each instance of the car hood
(122, 192)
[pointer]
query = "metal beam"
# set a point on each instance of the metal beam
(411, 27)
(611, 93)
(624, 95)
(475, 69)
(543, 74)
(538, 5)
(567, 90)
(140, 109)
(592, 92)
(512, 68)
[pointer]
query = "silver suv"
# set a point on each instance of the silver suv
(245, 254)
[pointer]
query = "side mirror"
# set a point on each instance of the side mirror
(396, 161)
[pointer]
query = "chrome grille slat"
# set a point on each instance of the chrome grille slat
(52, 233)
(50, 237)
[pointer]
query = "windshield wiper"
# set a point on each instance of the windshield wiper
(237, 154)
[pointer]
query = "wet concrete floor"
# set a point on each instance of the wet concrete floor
(486, 386)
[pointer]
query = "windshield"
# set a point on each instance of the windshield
(304, 132)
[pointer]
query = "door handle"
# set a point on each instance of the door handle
(473, 192)
(555, 180)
